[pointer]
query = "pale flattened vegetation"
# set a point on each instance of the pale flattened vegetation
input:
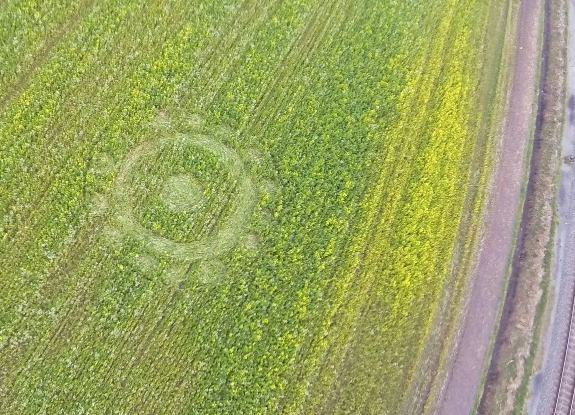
(231, 207)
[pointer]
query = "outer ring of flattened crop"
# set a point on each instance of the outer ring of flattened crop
(208, 247)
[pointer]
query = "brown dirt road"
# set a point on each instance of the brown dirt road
(492, 264)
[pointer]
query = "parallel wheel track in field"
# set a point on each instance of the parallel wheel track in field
(45, 52)
(249, 19)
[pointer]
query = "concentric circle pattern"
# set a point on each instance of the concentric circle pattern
(185, 196)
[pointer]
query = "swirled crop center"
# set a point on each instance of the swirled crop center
(184, 196)
(182, 193)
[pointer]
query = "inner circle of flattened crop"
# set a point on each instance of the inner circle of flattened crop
(187, 197)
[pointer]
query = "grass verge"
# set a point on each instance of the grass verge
(517, 342)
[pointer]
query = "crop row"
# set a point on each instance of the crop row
(353, 126)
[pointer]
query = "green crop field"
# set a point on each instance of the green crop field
(233, 207)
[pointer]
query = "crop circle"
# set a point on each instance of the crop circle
(186, 197)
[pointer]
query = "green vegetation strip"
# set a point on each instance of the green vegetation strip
(230, 207)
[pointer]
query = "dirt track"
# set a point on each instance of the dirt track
(499, 222)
